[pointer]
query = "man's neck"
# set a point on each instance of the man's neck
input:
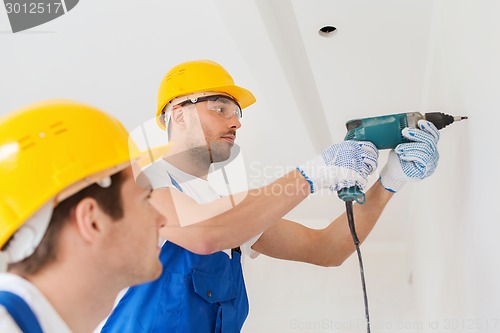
(80, 298)
(192, 162)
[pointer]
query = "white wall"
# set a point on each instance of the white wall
(439, 272)
(455, 248)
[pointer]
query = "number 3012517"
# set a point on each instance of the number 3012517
(34, 8)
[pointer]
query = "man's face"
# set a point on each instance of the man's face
(219, 132)
(134, 238)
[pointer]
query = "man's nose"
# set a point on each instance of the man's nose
(234, 122)
(160, 219)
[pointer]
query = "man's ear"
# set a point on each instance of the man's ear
(89, 219)
(178, 116)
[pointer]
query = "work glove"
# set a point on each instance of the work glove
(412, 161)
(341, 165)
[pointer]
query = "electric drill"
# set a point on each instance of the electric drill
(385, 133)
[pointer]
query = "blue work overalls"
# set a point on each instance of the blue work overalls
(194, 294)
(20, 312)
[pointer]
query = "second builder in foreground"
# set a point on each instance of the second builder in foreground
(76, 225)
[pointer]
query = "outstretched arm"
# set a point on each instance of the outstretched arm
(229, 222)
(411, 161)
(212, 227)
(325, 247)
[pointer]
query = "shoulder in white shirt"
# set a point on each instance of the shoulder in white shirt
(49, 319)
(161, 174)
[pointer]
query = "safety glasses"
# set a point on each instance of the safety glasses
(222, 104)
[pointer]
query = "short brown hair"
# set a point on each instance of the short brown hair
(109, 199)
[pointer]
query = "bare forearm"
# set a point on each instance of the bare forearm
(335, 243)
(326, 247)
(260, 209)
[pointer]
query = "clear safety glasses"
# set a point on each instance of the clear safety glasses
(223, 105)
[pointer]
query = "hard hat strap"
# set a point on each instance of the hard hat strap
(26, 239)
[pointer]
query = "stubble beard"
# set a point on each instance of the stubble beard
(213, 152)
(219, 151)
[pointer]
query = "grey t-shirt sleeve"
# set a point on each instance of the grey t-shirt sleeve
(158, 176)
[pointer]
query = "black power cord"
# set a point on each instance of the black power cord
(350, 220)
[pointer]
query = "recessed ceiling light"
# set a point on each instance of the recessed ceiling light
(327, 31)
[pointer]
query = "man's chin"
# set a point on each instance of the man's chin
(217, 158)
(220, 152)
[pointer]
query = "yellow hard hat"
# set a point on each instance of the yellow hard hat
(199, 76)
(50, 146)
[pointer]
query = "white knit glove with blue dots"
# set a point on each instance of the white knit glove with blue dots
(341, 165)
(412, 161)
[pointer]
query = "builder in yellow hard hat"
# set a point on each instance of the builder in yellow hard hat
(202, 288)
(75, 227)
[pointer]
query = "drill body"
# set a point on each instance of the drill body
(385, 133)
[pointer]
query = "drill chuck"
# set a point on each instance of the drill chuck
(441, 120)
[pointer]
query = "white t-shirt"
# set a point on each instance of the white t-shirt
(161, 173)
(49, 319)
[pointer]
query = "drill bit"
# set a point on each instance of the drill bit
(441, 120)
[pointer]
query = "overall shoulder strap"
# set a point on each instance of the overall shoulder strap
(175, 183)
(20, 312)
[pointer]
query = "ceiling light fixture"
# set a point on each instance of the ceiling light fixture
(327, 31)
